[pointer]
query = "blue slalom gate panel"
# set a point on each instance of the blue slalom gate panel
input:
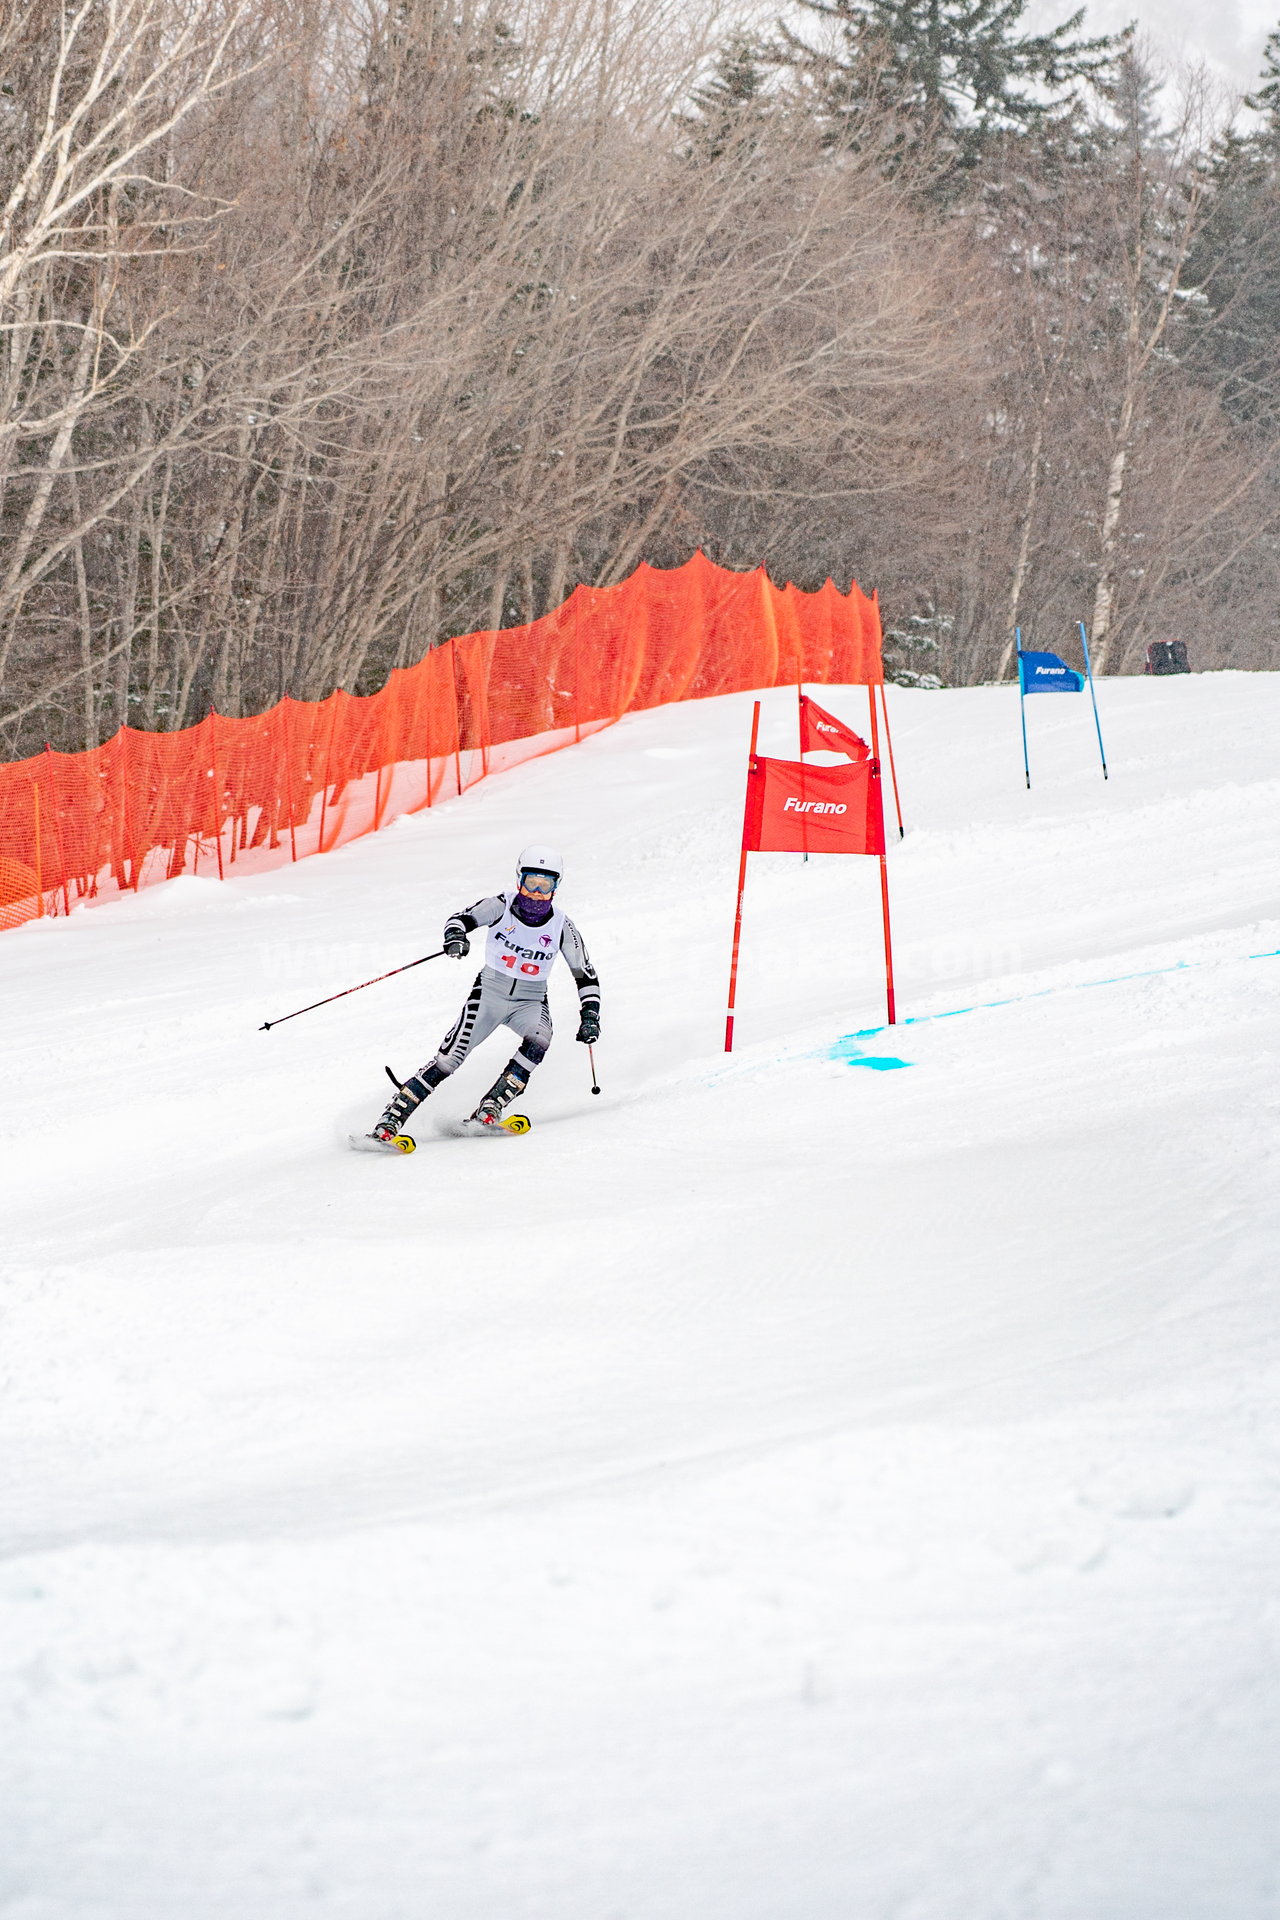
(1047, 673)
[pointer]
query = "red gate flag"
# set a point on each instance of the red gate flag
(821, 732)
(794, 808)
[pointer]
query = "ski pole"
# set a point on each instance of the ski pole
(268, 1024)
(591, 1055)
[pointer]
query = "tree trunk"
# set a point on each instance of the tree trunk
(1104, 593)
(1024, 551)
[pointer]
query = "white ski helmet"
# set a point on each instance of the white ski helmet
(539, 859)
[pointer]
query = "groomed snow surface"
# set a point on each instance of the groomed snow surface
(784, 1488)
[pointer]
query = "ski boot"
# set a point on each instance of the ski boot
(385, 1136)
(487, 1117)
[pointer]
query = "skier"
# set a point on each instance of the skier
(526, 930)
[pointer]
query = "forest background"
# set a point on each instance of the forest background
(332, 328)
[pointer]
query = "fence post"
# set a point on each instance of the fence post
(577, 666)
(57, 834)
(328, 755)
(215, 797)
(287, 757)
(427, 681)
(35, 809)
(457, 718)
(125, 816)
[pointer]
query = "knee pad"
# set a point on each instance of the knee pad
(533, 1053)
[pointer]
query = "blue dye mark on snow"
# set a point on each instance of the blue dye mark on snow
(850, 1054)
(1046, 993)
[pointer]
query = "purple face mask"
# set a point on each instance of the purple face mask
(533, 912)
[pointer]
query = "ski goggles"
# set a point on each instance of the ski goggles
(539, 886)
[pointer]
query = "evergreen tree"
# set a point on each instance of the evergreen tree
(950, 77)
(1235, 269)
(1266, 100)
(733, 100)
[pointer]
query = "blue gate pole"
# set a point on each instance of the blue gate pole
(1022, 703)
(1084, 642)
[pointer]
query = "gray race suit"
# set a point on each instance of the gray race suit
(510, 990)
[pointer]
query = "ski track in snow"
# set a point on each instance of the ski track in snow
(773, 1490)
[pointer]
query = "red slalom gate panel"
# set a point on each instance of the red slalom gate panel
(310, 775)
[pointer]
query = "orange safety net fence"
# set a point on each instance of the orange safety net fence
(307, 776)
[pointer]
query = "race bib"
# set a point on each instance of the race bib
(523, 953)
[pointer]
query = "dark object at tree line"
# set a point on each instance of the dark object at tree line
(1167, 656)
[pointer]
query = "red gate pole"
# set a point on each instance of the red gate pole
(742, 881)
(893, 771)
(800, 716)
(884, 871)
(888, 944)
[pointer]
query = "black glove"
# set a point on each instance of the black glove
(589, 1026)
(457, 945)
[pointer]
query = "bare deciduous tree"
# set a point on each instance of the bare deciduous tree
(330, 329)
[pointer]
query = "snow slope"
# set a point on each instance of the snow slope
(784, 1488)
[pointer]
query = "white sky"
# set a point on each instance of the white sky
(1227, 34)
